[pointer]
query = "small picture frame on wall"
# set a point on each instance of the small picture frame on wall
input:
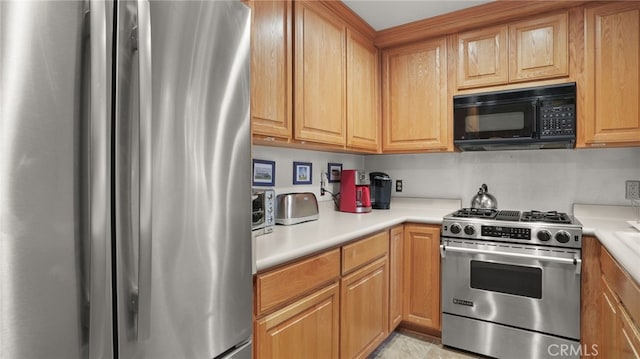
(264, 173)
(302, 173)
(334, 171)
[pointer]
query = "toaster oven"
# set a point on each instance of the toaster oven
(263, 210)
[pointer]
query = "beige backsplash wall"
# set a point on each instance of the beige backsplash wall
(527, 179)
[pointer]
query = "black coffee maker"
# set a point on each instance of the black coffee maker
(380, 190)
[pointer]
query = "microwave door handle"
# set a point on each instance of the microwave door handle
(575, 261)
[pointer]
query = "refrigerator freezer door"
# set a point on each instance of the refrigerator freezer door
(200, 243)
(55, 283)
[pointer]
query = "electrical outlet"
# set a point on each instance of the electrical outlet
(632, 190)
(398, 185)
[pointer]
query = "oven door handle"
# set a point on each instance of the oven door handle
(575, 261)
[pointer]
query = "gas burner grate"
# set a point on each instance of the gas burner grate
(475, 213)
(508, 216)
(547, 217)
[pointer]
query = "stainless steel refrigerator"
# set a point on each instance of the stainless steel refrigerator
(125, 179)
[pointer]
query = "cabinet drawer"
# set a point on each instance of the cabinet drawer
(307, 328)
(286, 283)
(622, 285)
(364, 251)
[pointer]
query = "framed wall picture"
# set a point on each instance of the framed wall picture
(334, 170)
(302, 172)
(264, 173)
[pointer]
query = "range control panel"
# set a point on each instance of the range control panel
(506, 232)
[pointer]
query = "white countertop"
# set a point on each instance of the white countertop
(334, 228)
(609, 224)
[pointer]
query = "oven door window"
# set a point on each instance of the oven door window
(258, 210)
(507, 278)
(512, 120)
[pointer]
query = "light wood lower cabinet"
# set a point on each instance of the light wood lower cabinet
(629, 336)
(422, 276)
(396, 245)
(333, 304)
(610, 311)
(607, 345)
(308, 328)
(364, 309)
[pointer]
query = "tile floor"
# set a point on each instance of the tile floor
(405, 345)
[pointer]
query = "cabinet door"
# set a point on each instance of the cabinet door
(320, 75)
(363, 91)
(539, 48)
(307, 328)
(482, 57)
(629, 336)
(609, 322)
(612, 81)
(414, 97)
(271, 68)
(422, 275)
(395, 276)
(364, 310)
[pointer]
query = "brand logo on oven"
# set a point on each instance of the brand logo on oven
(462, 302)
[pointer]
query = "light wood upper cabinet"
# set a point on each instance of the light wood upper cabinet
(539, 48)
(319, 75)
(483, 57)
(308, 328)
(523, 51)
(271, 69)
(414, 96)
(422, 275)
(396, 245)
(363, 93)
(611, 108)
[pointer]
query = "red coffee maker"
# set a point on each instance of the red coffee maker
(354, 192)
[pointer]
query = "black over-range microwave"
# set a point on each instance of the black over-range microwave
(530, 118)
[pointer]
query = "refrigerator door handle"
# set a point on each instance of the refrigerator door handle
(145, 234)
(98, 162)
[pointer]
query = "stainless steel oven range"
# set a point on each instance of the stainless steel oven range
(511, 283)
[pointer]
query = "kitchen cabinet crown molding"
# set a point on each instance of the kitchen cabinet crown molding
(350, 17)
(467, 19)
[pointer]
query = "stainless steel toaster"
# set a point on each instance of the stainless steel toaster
(294, 208)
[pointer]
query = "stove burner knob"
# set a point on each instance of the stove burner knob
(455, 228)
(563, 237)
(469, 230)
(544, 235)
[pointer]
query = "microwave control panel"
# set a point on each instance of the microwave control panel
(558, 120)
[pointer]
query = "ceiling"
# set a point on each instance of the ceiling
(383, 14)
